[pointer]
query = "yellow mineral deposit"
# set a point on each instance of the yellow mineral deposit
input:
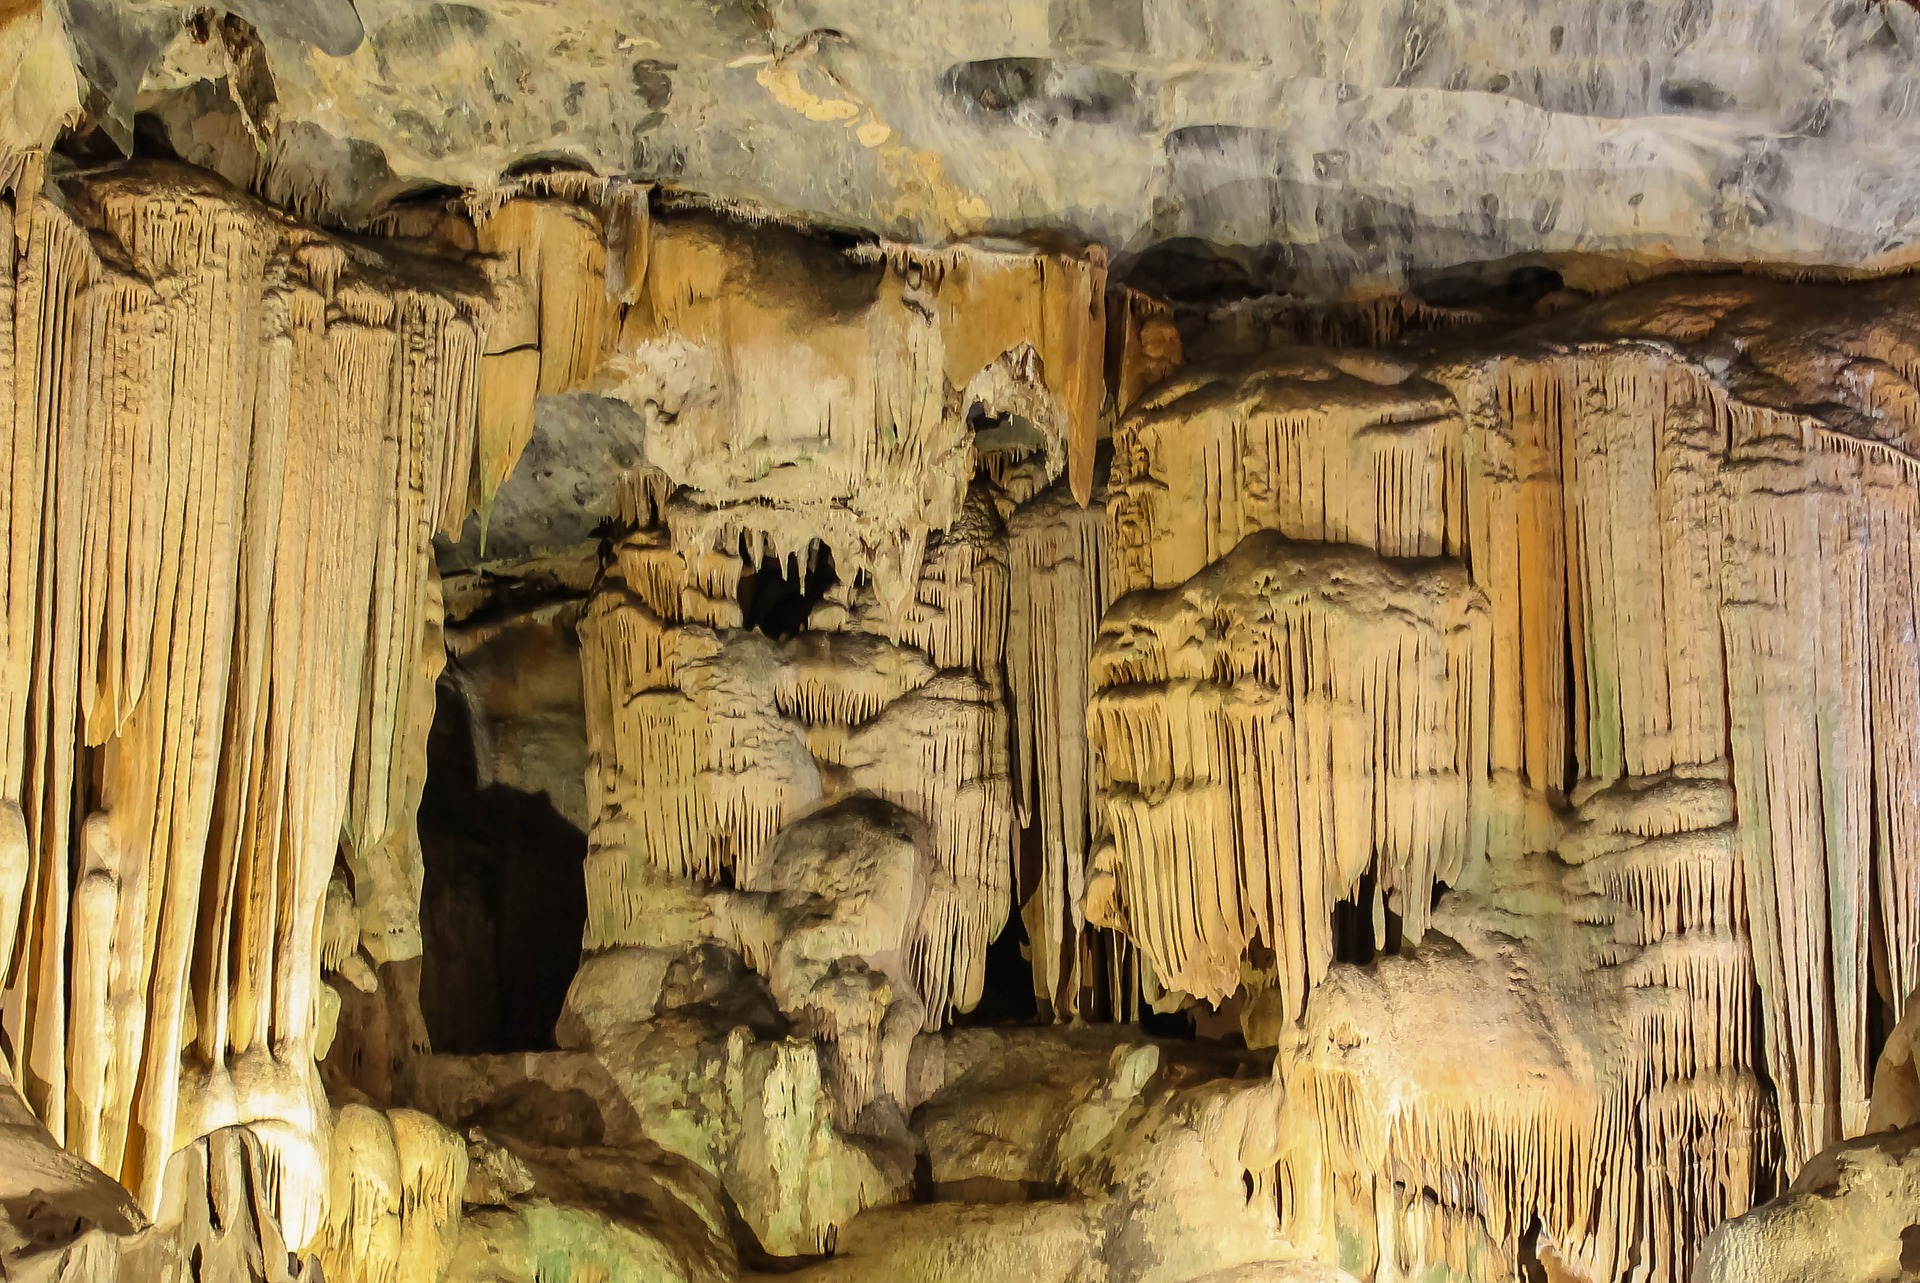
(1078, 784)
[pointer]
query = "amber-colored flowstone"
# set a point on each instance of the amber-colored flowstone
(1067, 791)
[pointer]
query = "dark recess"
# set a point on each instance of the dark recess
(1516, 289)
(1006, 996)
(503, 903)
(1353, 937)
(779, 594)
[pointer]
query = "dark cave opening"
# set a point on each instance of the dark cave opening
(1006, 996)
(503, 902)
(1166, 1024)
(1009, 434)
(778, 596)
(1355, 939)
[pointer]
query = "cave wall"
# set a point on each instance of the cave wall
(1490, 740)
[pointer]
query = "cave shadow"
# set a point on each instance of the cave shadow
(503, 902)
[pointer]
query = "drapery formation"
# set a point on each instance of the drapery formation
(817, 417)
(1695, 598)
(1293, 717)
(230, 443)
(1060, 581)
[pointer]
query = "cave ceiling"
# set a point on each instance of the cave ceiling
(1319, 147)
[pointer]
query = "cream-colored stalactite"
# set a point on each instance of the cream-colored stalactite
(1594, 528)
(1143, 348)
(559, 255)
(41, 90)
(1822, 695)
(1056, 305)
(388, 869)
(1293, 718)
(1734, 582)
(798, 398)
(1059, 584)
(705, 740)
(570, 253)
(228, 442)
(833, 427)
(1629, 523)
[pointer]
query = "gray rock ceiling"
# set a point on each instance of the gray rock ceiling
(1353, 144)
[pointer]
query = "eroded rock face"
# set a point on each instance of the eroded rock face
(1848, 1215)
(1325, 148)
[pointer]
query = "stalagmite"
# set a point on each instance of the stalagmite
(843, 971)
(397, 1182)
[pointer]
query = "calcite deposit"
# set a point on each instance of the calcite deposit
(1104, 642)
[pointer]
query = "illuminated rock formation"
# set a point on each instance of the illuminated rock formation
(585, 729)
(1291, 719)
(232, 440)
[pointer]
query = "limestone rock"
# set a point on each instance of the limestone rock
(1847, 1216)
(1318, 149)
(58, 1212)
(593, 728)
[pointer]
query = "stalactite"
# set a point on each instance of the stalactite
(1293, 718)
(1595, 530)
(704, 744)
(231, 442)
(1804, 614)
(561, 328)
(1587, 677)
(1621, 513)
(1143, 347)
(1060, 584)
(857, 432)
(1450, 1070)
(648, 748)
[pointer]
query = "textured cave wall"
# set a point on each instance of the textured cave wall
(1685, 726)
(522, 733)
(1321, 147)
